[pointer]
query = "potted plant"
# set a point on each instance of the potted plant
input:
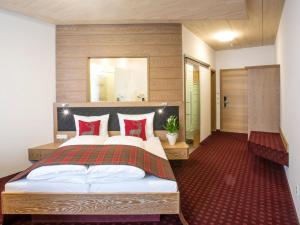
(172, 126)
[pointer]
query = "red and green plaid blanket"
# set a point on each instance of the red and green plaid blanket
(106, 155)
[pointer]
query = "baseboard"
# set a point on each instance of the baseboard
(205, 140)
(284, 140)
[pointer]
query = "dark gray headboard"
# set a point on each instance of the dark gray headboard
(64, 126)
(66, 122)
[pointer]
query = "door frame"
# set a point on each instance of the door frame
(221, 99)
(194, 62)
(213, 113)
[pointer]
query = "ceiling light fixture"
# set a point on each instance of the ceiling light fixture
(225, 36)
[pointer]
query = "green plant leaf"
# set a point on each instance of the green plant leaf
(172, 124)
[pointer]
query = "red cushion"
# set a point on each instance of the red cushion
(89, 128)
(136, 128)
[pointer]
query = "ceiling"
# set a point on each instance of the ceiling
(256, 21)
(126, 11)
(258, 30)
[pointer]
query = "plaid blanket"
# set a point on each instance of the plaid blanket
(105, 155)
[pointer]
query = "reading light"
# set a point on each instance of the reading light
(225, 36)
(66, 112)
(161, 110)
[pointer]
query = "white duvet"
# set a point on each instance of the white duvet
(94, 174)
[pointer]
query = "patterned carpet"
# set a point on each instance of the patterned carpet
(224, 183)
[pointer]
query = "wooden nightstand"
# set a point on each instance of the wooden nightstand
(42, 151)
(178, 151)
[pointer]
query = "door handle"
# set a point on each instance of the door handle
(226, 101)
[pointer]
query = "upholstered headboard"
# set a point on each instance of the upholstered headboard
(64, 125)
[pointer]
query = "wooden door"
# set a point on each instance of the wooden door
(234, 100)
(264, 98)
(213, 101)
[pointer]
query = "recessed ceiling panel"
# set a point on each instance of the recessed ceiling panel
(258, 30)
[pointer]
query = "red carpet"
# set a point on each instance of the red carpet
(224, 183)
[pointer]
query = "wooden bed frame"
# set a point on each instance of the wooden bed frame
(46, 203)
(38, 203)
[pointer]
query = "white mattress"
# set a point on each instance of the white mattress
(147, 184)
(25, 185)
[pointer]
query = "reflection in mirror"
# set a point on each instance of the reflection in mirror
(118, 79)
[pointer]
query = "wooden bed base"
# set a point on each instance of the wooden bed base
(43, 203)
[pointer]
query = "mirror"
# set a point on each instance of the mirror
(118, 79)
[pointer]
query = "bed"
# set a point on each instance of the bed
(150, 195)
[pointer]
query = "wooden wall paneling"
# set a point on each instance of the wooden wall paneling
(160, 42)
(120, 29)
(264, 98)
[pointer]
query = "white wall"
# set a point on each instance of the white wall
(288, 55)
(196, 48)
(239, 58)
(27, 70)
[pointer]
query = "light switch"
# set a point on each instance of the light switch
(61, 136)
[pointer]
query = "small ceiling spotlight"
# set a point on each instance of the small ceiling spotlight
(160, 111)
(225, 36)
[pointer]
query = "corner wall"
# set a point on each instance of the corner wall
(196, 48)
(288, 55)
(27, 92)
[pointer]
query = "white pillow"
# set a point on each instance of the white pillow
(73, 179)
(125, 140)
(113, 173)
(103, 123)
(85, 140)
(149, 122)
(49, 172)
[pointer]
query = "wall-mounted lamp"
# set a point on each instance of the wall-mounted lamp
(65, 111)
(164, 105)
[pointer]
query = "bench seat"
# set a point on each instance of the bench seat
(269, 146)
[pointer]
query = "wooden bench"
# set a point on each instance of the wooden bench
(269, 146)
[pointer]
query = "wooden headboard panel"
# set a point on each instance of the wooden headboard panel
(64, 124)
